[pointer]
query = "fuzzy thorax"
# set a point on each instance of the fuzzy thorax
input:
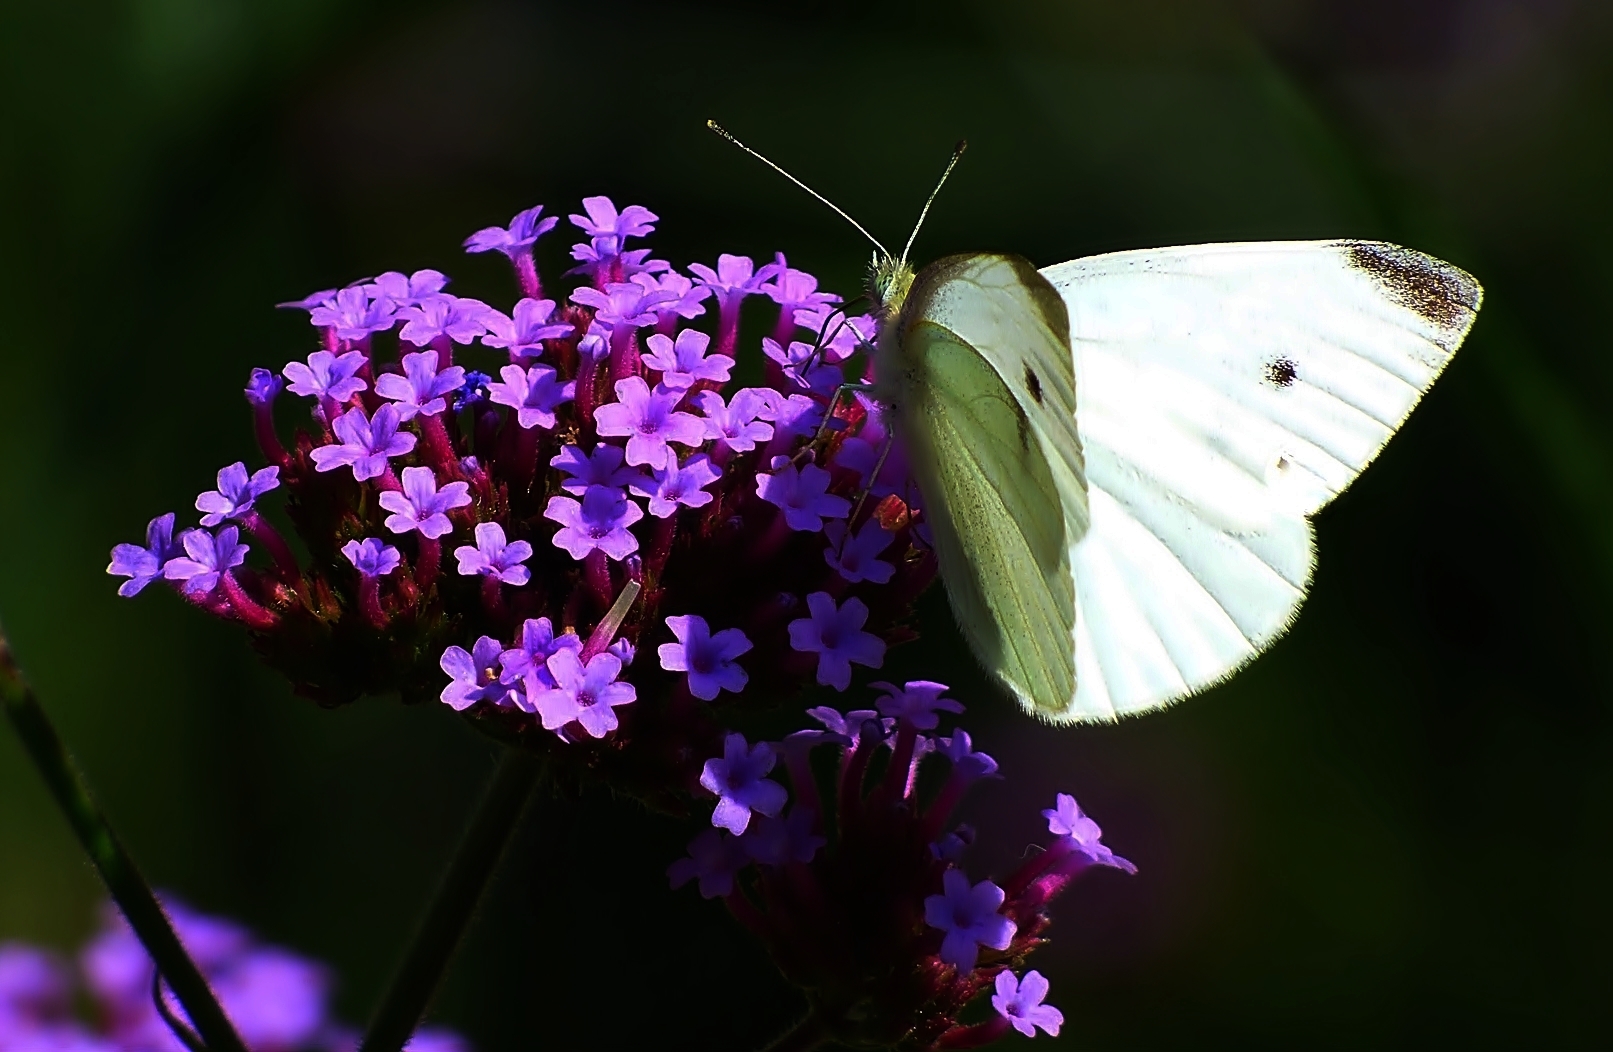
(889, 280)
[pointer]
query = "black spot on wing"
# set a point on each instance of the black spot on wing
(1280, 372)
(1033, 384)
(1445, 295)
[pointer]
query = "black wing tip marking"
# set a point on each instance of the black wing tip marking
(1033, 385)
(1281, 372)
(1443, 295)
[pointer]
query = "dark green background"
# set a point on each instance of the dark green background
(1391, 831)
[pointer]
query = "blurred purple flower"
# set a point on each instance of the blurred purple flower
(969, 917)
(523, 232)
(680, 486)
(918, 701)
(406, 291)
(853, 558)
(835, 634)
(603, 467)
(708, 659)
(714, 858)
(354, 315)
(524, 334)
(459, 318)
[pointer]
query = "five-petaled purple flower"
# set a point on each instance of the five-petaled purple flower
(459, 318)
(603, 467)
(683, 363)
(236, 492)
(421, 389)
(795, 289)
(684, 298)
(144, 565)
(853, 557)
(263, 387)
(739, 780)
(533, 393)
(354, 314)
(775, 841)
(607, 229)
(372, 556)
(714, 857)
(365, 442)
(707, 658)
(803, 495)
(524, 230)
(623, 303)
(494, 557)
(1080, 833)
(918, 701)
(523, 335)
(969, 917)
(327, 375)
(599, 522)
(407, 290)
(1020, 1002)
(835, 634)
(736, 424)
(966, 763)
(734, 278)
(475, 675)
(526, 661)
(588, 695)
(421, 505)
(804, 366)
(680, 485)
(207, 558)
(649, 421)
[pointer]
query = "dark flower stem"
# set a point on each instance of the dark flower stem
(804, 1036)
(455, 903)
(128, 888)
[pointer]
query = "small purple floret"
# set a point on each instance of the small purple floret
(970, 919)
(407, 290)
(364, 443)
(524, 230)
(681, 486)
(327, 375)
(372, 556)
(354, 315)
(648, 420)
(714, 858)
(835, 634)
(603, 467)
(588, 695)
(533, 393)
(422, 388)
(144, 565)
(599, 522)
(207, 558)
(493, 557)
(527, 658)
(736, 424)
(739, 780)
(1069, 822)
(523, 335)
(918, 701)
(1020, 1002)
(236, 492)
(683, 362)
(421, 505)
(802, 494)
(707, 658)
(475, 675)
(854, 557)
(459, 318)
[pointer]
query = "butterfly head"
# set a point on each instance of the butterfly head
(889, 279)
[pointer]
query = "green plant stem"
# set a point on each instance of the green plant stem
(129, 889)
(455, 903)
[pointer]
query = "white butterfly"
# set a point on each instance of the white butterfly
(1119, 455)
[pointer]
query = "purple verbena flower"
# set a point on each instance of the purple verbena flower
(523, 232)
(684, 485)
(970, 919)
(959, 750)
(735, 424)
(534, 393)
(421, 505)
(707, 658)
(683, 298)
(802, 494)
(853, 558)
(207, 558)
(588, 695)
(918, 701)
(473, 390)
(775, 841)
(795, 289)
(263, 387)
(372, 556)
(493, 557)
(322, 298)
(603, 467)
(841, 336)
(407, 291)
(354, 315)
(475, 675)
(735, 277)
(600, 521)
(529, 656)
(1082, 834)
(739, 780)
(623, 303)
(684, 362)
(459, 318)
(144, 565)
(607, 229)
(850, 726)
(1020, 1002)
(327, 375)
(804, 366)
(649, 421)
(421, 389)
(949, 847)
(835, 634)
(364, 442)
(523, 335)
(793, 416)
(714, 858)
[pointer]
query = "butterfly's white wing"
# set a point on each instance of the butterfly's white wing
(1224, 394)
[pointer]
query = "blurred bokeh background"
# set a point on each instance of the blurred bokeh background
(1392, 831)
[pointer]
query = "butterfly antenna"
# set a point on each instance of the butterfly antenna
(726, 134)
(957, 152)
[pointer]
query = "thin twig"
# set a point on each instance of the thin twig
(128, 888)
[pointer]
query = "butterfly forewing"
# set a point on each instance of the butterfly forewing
(1225, 393)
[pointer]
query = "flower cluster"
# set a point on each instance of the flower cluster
(637, 539)
(856, 887)
(277, 1000)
